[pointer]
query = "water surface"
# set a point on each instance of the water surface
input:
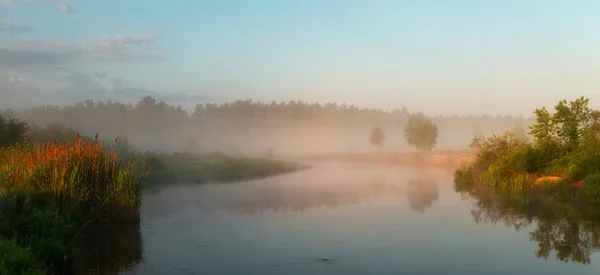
(354, 219)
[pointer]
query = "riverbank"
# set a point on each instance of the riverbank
(212, 167)
(563, 158)
(448, 159)
(50, 193)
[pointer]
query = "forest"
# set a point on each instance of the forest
(253, 127)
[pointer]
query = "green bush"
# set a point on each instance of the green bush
(18, 261)
(12, 131)
(566, 144)
(35, 220)
(591, 187)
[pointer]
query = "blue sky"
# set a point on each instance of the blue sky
(441, 57)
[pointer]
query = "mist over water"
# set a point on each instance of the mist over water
(339, 219)
(377, 96)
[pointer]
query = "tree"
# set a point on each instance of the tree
(567, 127)
(420, 132)
(377, 137)
(12, 131)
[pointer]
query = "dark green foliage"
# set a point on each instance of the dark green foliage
(36, 221)
(420, 132)
(51, 132)
(12, 131)
(214, 167)
(566, 144)
(377, 137)
(591, 187)
(15, 260)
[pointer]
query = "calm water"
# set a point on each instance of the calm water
(362, 219)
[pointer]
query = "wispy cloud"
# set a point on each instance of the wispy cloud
(120, 48)
(12, 28)
(64, 6)
(37, 54)
(6, 3)
(124, 47)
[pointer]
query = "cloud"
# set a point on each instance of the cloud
(34, 53)
(18, 92)
(80, 86)
(12, 28)
(64, 6)
(6, 3)
(124, 47)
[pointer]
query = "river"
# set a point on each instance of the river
(347, 219)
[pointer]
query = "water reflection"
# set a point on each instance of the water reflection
(109, 249)
(421, 193)
(570, 230)
(282, 199)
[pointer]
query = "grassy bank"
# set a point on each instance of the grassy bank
(563, 158)
(213, 167)
(50, 192)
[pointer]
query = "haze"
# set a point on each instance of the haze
(439, 57)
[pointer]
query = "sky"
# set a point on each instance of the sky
(439, 57)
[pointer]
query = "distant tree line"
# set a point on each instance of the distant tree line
(149, 116)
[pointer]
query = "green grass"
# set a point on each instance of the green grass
(18, 261)
(214, 167)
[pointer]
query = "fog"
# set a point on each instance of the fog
(251, 128)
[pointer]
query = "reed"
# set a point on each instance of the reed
(83, 177)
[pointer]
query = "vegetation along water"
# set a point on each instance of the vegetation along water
(54, 184)
(563, 158)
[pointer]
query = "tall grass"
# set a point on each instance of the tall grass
(83, 177)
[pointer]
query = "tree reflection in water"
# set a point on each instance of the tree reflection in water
(569, 229)
(319, 196)
(109, 249)
(421, 193)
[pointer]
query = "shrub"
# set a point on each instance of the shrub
(12, 131)
(377, 137)
(591, 187)
(566, 144)
(16, 260)
(496, 147)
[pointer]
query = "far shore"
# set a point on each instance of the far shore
(449, 159)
